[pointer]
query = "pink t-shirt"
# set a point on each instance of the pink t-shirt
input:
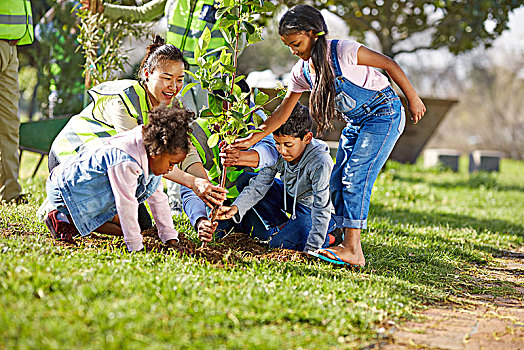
(364, 76)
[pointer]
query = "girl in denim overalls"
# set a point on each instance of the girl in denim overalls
(343, 82)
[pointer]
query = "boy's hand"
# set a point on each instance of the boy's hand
(205, 229)
(417, 108)
(226, 213)
(174, 244)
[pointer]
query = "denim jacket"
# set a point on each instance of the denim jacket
(86, 189)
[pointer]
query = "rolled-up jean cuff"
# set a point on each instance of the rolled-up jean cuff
(344, 222)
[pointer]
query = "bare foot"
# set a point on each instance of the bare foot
(347, 254)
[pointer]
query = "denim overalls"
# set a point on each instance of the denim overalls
(375, 121)
(80, 187)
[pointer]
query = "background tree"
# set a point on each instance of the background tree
(459, 25)
(490, 114)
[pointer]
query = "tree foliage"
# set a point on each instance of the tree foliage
(459, 25)
(102, 44)
(230, 114)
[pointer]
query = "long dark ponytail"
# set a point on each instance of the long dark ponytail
(159, 52)
(305, 18)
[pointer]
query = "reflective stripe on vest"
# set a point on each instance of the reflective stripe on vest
(130, 91)
(77, 133)
(186, 22)
(16, 21)
(209, 157)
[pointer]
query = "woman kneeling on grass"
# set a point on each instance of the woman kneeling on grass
(95, 185)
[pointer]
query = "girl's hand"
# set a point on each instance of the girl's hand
(229, 155)
(226, 213)
(205, 229)
(417, 108)
(243, 143)
(175, 245)
(211, 195)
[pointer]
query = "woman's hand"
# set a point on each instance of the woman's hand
(175, 245)
(211, 195)
(205, 229)
(226, 213)
(417, 108)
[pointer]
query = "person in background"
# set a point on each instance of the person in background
(96, 184)
(343, 82)
(16, 28)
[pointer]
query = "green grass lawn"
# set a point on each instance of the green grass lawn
(432, 233)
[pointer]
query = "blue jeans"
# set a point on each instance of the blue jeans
(282, 231)
(364, 147)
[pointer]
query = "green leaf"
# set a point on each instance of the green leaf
(187, 88)
(249, 27)
(212, 141)
(225, 23)
(254, 131)
(205, 38)
(267, 7)
(261, 98)
(255, 38)
(227, 35)
(212, 52)
(239, 118)
(237, 91)
(215, 103)
(221, 10)
(206, 113)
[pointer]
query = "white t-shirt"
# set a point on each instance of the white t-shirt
(364, 76)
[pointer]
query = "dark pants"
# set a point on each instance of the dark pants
(284, 232)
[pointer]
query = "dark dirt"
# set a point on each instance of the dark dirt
(233, 249)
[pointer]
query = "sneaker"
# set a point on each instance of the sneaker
(335, 237)
(60, 230)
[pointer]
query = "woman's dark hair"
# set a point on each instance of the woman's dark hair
(159, 52)
(304, 18)
(298, 124)
(168, 130)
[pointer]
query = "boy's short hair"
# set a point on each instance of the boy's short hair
(168, 130)
(298, 124)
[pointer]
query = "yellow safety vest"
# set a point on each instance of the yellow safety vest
(210, 157)
(187, 20)
(16, 21)
(85, 129)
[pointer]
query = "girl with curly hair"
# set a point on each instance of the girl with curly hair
(95, 185)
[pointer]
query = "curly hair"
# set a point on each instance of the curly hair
(168, 130)
(159, 52)
(298, 124)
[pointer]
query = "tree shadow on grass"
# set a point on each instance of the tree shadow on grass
(456, 221)
(475, 181)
